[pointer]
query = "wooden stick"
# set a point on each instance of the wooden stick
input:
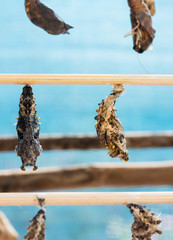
(86, 198)
(58, 142)
(88, 176)
(8, 232)
(85, 79)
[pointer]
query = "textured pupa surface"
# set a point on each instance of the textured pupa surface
(142, 30)
(28, 127)
(109, 128)
(44, 17)
(145, 223)
(36, 229)
(151, 6)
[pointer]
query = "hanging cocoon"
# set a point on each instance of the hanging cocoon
(37, 227)
(28, 127)
(109, 128)
(143, 32)
(145, 223)
(45, 18)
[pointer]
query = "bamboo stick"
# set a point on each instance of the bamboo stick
(86, 198)
(59, 142)
(88, 176)
(85, 79)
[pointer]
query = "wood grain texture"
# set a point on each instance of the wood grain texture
(88, 176)
(86, 142)
(86, 198)
(86, 79)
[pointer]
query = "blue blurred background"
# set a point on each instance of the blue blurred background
(95, 45)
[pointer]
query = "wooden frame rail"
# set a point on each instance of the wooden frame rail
(88, 176)
(86, 198)
(60, 142)
(86, 79)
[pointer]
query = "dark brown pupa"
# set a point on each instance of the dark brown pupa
(28, 127)
(145, 224)
(142, 31)
(109, 128)
(44, 17)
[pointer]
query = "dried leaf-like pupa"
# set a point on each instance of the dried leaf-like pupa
(28, 128)
(145, 223)
(142, 31)
(36, 229)
(109, 128)
(151, 6)
(44, 17)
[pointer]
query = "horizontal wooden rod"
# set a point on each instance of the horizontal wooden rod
(86, 142)
(88, 176)
(86, 79)
(86, 198)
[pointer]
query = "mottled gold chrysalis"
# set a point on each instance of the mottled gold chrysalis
(109, 128)
(145, 224)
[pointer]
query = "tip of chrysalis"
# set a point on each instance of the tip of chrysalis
(159, 232)
(35, 168)
(67, 28)
(22, 168)
(126, 159)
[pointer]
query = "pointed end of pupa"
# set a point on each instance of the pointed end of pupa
(67, 27)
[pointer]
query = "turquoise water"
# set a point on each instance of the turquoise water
(95, 45)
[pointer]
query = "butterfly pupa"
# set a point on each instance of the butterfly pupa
(145, 224)
(37, 227)
(45, 18)
(143, 32)
(109, 128)
(28, 127)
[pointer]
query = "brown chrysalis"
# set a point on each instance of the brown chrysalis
(109, 128)
(142, 31)
(145, 223)
(28, 127)
(44, 17)
(37, 227)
